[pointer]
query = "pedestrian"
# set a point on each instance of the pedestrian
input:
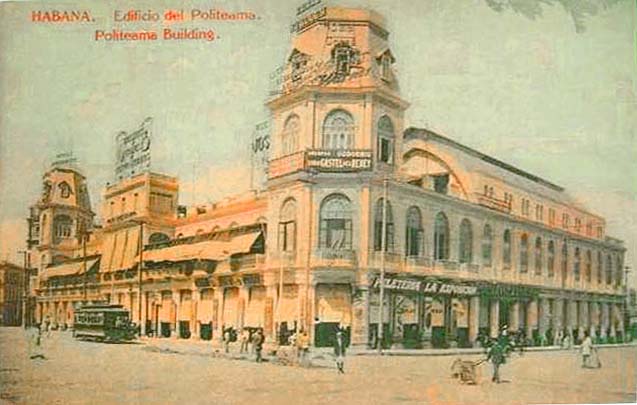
(47, 326)
(226, 340)
(35, 343)
(586, 349)
(496, 356)
(257, 343)
(339, 351)
(245, 334)
(303, 345)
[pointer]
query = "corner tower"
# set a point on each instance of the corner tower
(63, 214)
(338, 89)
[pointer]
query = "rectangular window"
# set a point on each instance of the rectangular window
(565, 221)
(385, 150)
(441, 183)
(551, 216)
(287, 236)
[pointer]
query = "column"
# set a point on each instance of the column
(531, 318)
(604, 316)
(593, 319)
(556, 320)
(495, 318)
(144, 299)
(613, 320)
(360, 316)
(474, 319)
(544, 318)
(194, 307)
(268, 324)
(242, 305)
(217, 314)
(582, 318)
(177, 309)
(514, 316)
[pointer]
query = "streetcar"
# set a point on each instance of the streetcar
(103, 323)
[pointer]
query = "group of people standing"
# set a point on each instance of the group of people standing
(246, 338)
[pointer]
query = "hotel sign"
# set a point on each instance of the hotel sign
(133, 151)
(339, 160)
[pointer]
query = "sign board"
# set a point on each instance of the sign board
(426, 287)
(339, 160)
(260, 154)
(133, 151)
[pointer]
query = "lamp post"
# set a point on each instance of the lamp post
(383, 245)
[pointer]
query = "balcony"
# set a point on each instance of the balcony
(251, 261)
(322, 160)
(393, 261)
(493, 203)
(334, 258)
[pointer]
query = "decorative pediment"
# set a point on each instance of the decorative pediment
(388, 53)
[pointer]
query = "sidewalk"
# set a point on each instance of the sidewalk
(322, 357)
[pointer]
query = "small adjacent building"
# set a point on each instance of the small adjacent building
(11, 294)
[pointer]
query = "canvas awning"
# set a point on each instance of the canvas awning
(120, 250)
(243, 243)
(214, 250)
(207, 250)
(68, 269)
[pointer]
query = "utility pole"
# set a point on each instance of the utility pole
(25, 281)
(383, 245)
(84, 269)
(140, 269)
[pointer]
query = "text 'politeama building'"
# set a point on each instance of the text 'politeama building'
(468, 243)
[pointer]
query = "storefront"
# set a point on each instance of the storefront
(436, 312)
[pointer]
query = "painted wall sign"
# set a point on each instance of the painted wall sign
(427, 287)
(345, 160)
(133, 151)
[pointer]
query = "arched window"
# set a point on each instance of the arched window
(385, 140)
(287, 226)
(487, 245)
(609, 270)
(378, 227)
(290, 135)
(524, 253)
(600, 267)
(564, 261)
(338, 130)
(63, 226)
(589, 266)
(538, 256)
(441, 237)
(550, 263)
(506, 248)
(158, 237)
(465, 247)
(577, 264)
(414, 233)
(65, 189)
(335, 223)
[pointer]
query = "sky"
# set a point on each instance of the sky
(547, 86)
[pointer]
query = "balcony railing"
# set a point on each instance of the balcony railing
(493, 203)
(246, 262)
(322, 160)
(333, 257)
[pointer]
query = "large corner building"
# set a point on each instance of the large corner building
(467, 242)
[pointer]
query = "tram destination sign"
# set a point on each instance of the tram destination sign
(339, 160)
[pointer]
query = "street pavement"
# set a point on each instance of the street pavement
(172, 372)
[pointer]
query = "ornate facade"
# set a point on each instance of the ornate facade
(468, 243)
